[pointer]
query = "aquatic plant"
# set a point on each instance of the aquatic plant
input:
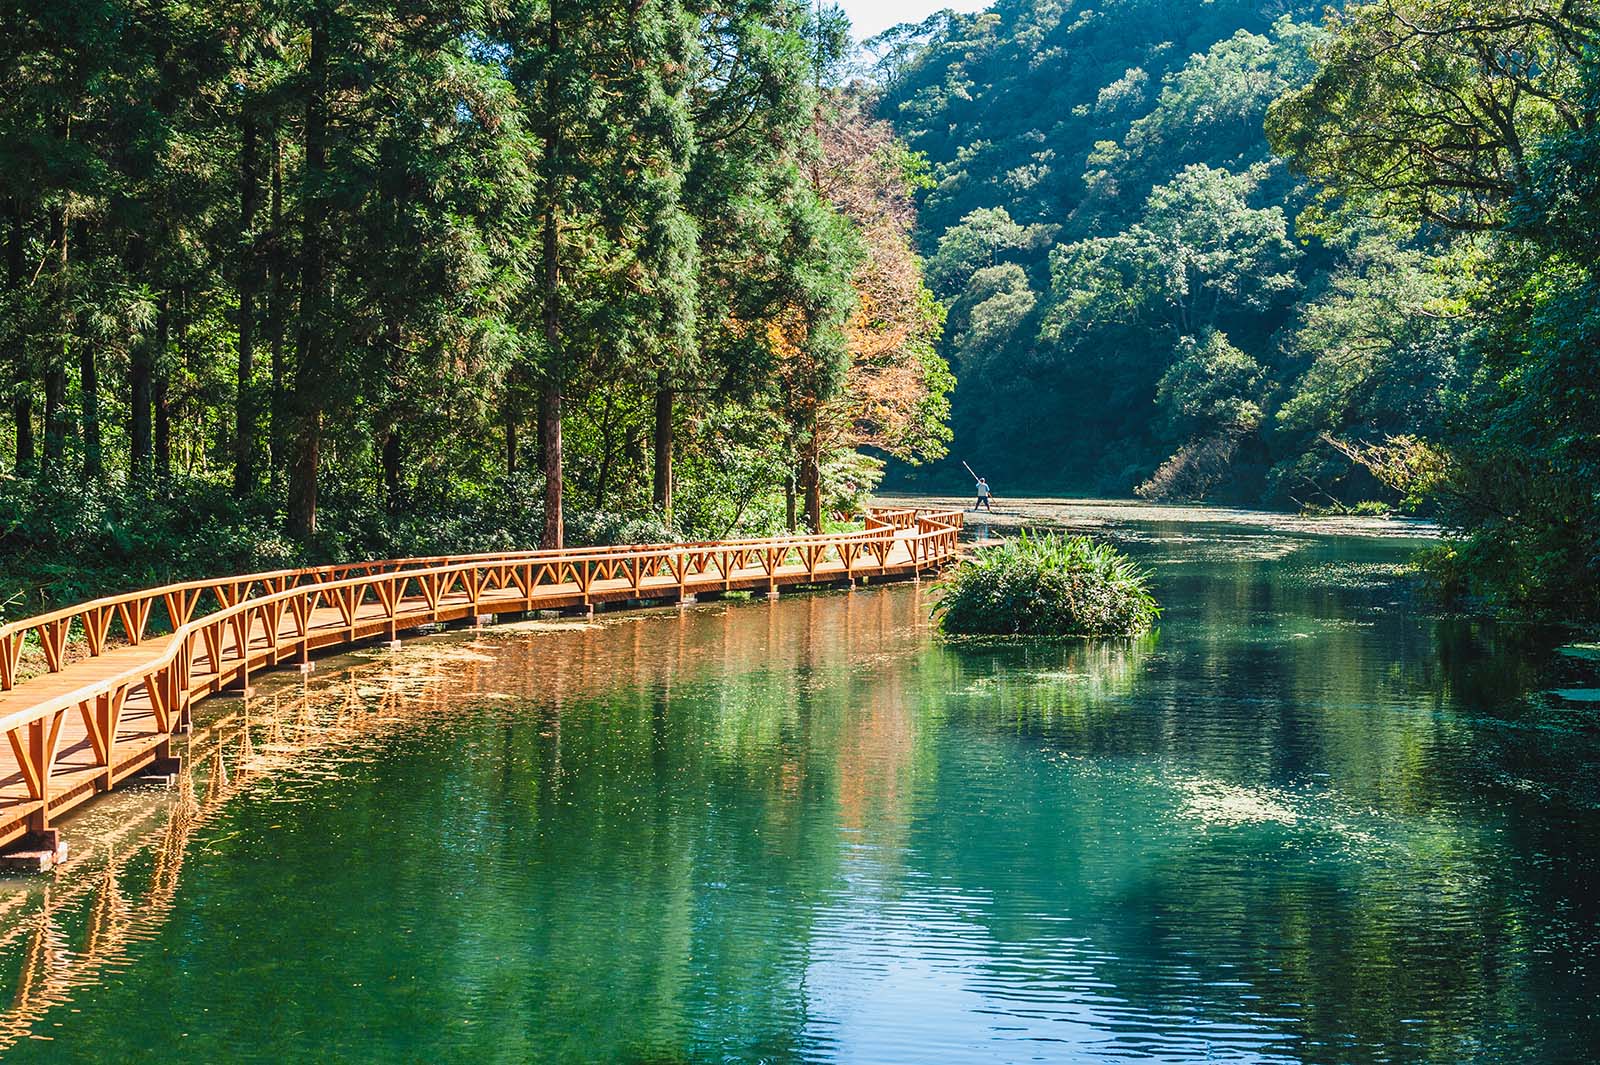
(1046, 584)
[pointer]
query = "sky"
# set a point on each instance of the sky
(868, 17)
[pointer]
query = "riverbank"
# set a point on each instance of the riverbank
(1090, 514)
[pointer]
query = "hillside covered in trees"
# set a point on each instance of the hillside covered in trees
(1130, 302)
(334, 278)
(327, 278)
(1201, 249)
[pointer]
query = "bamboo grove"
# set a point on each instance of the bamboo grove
(360, 263)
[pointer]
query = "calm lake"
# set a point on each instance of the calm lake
(1307, 820)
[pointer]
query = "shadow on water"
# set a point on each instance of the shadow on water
(1305, 820)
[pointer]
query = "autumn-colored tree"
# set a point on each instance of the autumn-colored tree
(896, 394)
(871, 378)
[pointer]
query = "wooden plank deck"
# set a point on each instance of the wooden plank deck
(96, 720)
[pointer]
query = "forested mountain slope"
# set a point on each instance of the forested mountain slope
(1130, 303)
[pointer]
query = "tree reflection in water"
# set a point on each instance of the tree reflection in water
(1304, 820)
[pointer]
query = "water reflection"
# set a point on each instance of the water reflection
(1304, 821)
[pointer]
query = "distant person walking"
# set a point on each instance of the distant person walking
(983, 496)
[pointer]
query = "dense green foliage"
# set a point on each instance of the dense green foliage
(386, 270)
(1472, 125)
(382, 269)
(1046, 584)
(1131, 306)
(1390, 301)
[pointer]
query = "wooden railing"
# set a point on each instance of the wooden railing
(891, 518)
(265, 619)
(95, 626)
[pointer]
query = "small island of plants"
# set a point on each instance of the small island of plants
(1046, 585)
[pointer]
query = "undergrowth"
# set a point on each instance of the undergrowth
(1047, 584)
(65, 543)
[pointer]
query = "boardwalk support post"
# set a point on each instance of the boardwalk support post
(37, 852)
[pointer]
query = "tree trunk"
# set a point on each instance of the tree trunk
(244, 425)
(55, 418)
(662, 486)
(511, 439)
(160, 374)
(306, 458)
(788, 502)
(140, 357)
(276, 312)
(607, 450)
(392, 459)
(811, 481)
(550, 437)
(393, 445)
(310, 373)
(139, 361)
(22, 411)
(550, 391)
(89, 385)
(55, 371)
(22, 398)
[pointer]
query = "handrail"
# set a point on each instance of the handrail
(205, 584)
(250, 634)
(181, 598)
(189, 630)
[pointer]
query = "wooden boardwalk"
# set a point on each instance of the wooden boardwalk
(111, 693)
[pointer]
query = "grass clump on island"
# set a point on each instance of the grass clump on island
(1046, 585)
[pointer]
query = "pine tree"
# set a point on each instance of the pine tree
(604, 87)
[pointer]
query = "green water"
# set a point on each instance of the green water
(1306, 821)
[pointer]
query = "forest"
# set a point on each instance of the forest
(320, 279)
(317, 279)
(1323, 261)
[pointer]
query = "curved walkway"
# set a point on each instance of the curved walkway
(111, 694)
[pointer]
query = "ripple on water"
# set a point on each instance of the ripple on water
(806, 831)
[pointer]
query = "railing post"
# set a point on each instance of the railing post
(10, 654)
(186, 659)
(244, 651)
(39, 740)
(107, 722)
(392, 610)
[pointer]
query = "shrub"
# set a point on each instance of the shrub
(64, 542)
(1367, 508)
(1047, 584)
(603, 527)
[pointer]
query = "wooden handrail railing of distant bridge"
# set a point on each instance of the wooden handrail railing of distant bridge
(136, 693)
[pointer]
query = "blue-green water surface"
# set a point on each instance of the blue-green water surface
(1307, 820)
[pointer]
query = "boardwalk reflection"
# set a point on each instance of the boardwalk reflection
(68, 932)
(802, 831)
